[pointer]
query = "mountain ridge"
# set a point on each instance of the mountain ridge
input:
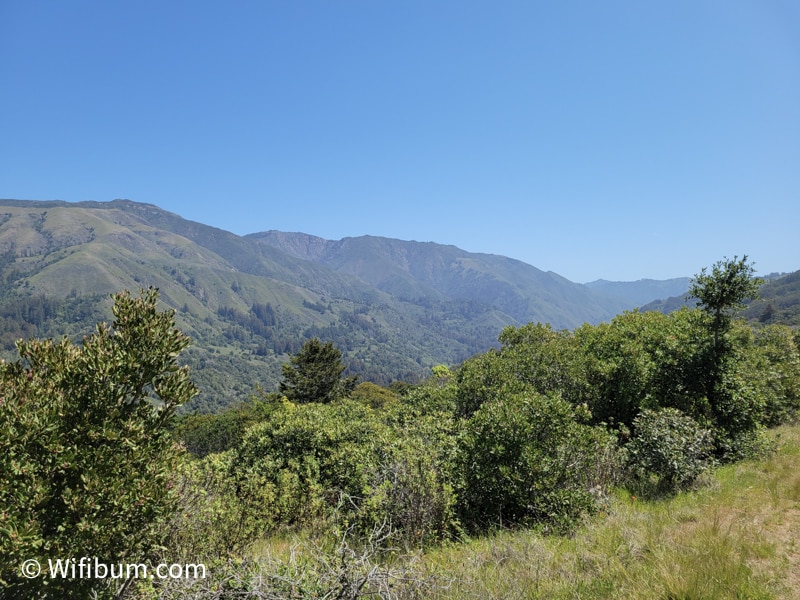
(394, 307)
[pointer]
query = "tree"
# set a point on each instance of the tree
(314, 374)
(737, 409)
(86, 455)
(724, 290)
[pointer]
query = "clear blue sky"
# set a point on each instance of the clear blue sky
(620, 140)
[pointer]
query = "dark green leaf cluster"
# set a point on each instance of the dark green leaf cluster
(724, 290)
(525, 459)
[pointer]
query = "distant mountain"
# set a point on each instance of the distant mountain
(394, 308)
(421, 273)
(671, 304)
(638, 293)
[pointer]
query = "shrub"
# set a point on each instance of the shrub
(526, 460)
(86, 453)
(775, 368)
(312, 456)
(671, 446)
(219, 516)
(412, 486)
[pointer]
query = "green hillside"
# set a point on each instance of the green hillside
(395, 308)
(423, 272)
(779, 301)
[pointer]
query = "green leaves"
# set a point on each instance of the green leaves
(672, 446)
(722, 291)
(86, 459)
(525, 460)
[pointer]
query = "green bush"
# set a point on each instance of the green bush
(412, 486)
(219, 515)
(774, 366)
(526, 460)
(671, 446)
(367, 467)
(374, 396)
(86, 454)
(204, 434)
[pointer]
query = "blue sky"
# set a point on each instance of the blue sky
(621, 140)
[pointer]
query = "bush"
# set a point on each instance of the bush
(775, 368)
(219, 516)
(312, 456)
(671, 446)
(86, 453)
(525, 460)
(412, 486)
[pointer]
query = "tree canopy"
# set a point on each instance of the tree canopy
(724, 290)
(314, 374)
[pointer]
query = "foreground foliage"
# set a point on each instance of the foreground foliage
(86, 456)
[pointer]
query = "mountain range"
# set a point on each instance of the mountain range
(395, 308)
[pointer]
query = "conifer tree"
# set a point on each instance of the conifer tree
(314, 374)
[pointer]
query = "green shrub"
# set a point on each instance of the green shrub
(320, 459)
(204, 434)
(774, 366)
(412, 486)
(86, 453)
(671, 446)
(374, 396)
(219, 515)
(526, 460)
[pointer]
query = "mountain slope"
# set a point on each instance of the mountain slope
(394, 308)
(420, 272)
(244, 307)
(778, 301)
(637, 293)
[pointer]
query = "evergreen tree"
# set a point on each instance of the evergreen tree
(314, 374)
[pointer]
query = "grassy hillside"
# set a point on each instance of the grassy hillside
(423, 272)
(59, 262)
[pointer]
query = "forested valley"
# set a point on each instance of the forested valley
(332, 487)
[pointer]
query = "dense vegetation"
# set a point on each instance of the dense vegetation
(537, 434)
